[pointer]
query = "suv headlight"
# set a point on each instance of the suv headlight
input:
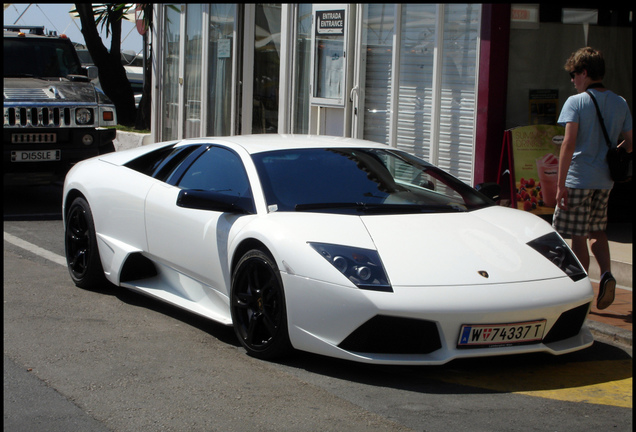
(558, 252)
(83, 116)
(362, 267)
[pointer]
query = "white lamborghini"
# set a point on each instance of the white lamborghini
(336, 246)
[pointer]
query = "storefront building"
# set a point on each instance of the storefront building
(442, 81)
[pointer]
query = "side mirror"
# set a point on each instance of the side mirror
(491, 190)
(92, 72)
(214, 201)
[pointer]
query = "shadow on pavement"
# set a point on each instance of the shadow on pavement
(33, 202)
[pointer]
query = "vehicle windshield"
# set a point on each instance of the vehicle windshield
(360, 181)
(41, 58)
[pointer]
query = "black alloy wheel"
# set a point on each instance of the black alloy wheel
(258, 306)
(80, 243)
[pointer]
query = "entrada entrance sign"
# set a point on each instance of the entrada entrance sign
(330, 22)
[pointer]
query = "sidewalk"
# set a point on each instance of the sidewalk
(615, 321)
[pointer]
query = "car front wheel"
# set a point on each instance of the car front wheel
(80, 242)
(258, 306)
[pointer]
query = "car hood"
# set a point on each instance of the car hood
(486, 246)
(48, 90)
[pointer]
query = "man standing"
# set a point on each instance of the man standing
(584, 181)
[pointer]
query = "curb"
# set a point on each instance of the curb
(616, 334)
(129, 140)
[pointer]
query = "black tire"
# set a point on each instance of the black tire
(258, 306)
(80, 244)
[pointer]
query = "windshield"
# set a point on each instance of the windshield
(44, 58)
(360, 181)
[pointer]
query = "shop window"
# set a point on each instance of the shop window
(266, 68)
(416, 78)
(434, 97)
(378, 30)
(170, 94)
(192, 79)
(220, 60)
(534, 70)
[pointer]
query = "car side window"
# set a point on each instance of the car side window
(161, 162)
(219, 170)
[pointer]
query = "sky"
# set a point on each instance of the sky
(55, 16)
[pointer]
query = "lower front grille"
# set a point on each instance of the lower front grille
(33, 138)
(393, 335)
(568, 325)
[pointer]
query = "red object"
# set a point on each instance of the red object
(141, 25)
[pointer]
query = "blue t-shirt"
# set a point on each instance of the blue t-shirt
(589, 169)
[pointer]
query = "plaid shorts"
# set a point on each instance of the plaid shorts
(586, 213)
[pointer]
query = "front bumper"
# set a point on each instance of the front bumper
(421, 325)
(69, 142)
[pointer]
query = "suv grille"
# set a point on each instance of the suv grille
(40, 117)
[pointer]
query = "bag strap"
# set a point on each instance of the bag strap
(600, 117)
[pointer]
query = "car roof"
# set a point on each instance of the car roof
(23, 35)
(270, 142)
(251, 144)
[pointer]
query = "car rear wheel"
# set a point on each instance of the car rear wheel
(258, 306)
(80, 242)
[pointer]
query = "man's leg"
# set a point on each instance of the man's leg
(607, 284)
(600, 249)
(579, 247)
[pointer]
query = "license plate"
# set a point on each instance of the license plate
(496, 335)
(35, 155)
(33, 138)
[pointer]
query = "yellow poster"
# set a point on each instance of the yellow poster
(535, 152)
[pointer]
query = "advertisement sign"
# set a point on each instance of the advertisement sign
(543, 106)
(535, 151)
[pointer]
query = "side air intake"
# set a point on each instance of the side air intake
(137, 267)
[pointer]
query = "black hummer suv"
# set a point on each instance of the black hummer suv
(53, 115)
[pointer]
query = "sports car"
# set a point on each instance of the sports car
(335, 246)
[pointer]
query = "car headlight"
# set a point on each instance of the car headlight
(362, 267)
(557, 251)
(83, 116)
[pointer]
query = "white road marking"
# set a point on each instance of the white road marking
(57, 259)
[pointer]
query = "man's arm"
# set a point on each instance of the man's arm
(627, 141)
(565, 159)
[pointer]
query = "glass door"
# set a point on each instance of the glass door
(222, 66)
(261, 68)
(171, 44)
(193, 70)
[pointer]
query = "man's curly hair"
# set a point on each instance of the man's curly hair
(588, 59)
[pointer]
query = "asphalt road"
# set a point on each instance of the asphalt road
(81, 360)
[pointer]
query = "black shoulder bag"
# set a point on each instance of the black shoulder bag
(618, 159)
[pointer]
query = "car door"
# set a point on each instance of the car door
(192, 241)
